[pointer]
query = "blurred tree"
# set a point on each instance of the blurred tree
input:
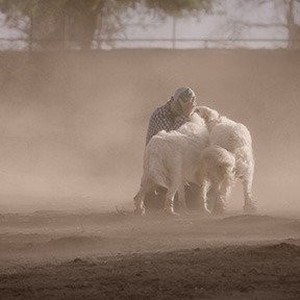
(292, 27)
(60, 20)
(287, 13)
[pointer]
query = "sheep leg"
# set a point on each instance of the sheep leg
(140, 196)
(139, 202)
(214, 201)
(220, 193)
(249, 204)
(181, 197)
(169, 202)
(219, 203)
(175, 177)
(203, 190)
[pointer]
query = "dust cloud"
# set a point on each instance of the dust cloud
(72, 136)
(73, 125)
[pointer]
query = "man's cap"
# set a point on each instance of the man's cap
(184, 95)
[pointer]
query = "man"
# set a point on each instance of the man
(171, 116)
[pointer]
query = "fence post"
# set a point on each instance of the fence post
(30, 31)
(174, 33)
(63, 31)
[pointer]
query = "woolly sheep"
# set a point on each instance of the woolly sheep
(235, 138)
(172, 158)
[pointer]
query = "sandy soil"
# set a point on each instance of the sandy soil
(53, 255)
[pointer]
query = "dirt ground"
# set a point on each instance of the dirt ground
(72, 136)
(51, 255)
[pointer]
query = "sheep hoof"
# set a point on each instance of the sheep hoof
(250, 209)
(170, 212)
(183, 210)
(140, 211)
(219, 210)
(205, 212)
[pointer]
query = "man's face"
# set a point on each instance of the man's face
(189, 106)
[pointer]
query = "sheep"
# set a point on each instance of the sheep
(236, 139)
(172, 158)
(214, 175)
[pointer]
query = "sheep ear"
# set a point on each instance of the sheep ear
(200, 111)
(205, 113)
(211, 114)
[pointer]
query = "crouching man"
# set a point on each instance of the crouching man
(170, 116)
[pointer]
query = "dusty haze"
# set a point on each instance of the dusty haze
(73, 124)
(72, 136)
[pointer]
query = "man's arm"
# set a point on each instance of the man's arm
(150, 131)
(180, 121)
(157, 123)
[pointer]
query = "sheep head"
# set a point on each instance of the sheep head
(210, 116)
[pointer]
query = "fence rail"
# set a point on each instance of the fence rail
(32, 44)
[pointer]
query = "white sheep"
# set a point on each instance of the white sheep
(172, 158)
(235, 138)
